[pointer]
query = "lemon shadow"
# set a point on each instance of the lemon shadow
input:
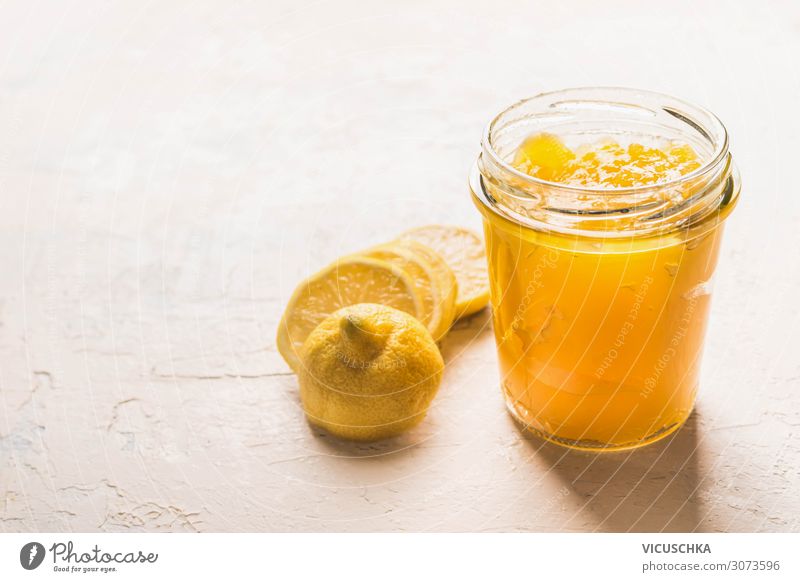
(383, 449)
(464, 333)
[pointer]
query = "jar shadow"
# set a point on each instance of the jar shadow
(652, 489)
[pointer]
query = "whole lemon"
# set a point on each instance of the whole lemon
(369, 372)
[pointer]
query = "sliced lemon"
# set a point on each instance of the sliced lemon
(438, 304)
(463, 251)
(445, 281)
(346, 282)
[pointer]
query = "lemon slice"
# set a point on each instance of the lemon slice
(346, 282)
(445, 283)
(438, 303)
(463, 251)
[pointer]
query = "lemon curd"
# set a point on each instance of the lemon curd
(602, 227)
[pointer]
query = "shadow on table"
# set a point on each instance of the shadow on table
(464, 334)
(342, 448)
(652, 489)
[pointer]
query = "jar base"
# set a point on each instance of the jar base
(595, 446)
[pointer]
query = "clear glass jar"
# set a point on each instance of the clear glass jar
(601, 296)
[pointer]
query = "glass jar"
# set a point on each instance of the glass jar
(600, 296)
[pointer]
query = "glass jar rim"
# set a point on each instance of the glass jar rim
(720, 142)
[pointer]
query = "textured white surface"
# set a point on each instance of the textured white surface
(169, 171)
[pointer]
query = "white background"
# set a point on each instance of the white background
(170, 170)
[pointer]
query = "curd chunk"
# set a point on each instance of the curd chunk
(604, 163)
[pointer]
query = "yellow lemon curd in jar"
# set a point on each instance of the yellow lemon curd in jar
(600, 342)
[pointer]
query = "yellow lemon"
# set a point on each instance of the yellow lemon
(437, 292)
(369, 372)
(463, 251)
(348, 281)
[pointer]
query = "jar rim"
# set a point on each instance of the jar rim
(721, 142)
